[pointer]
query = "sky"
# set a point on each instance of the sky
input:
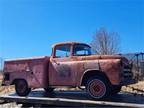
(30, 27)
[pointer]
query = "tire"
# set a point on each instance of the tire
(49, 90)
(22, 88)
(116, 90)
(98, 87)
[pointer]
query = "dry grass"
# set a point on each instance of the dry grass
(139, 85)
(6, 89)
(137, 88)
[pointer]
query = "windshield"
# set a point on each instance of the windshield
(82, 50)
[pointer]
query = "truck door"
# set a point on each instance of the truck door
(62, 70)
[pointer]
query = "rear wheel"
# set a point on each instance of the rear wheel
(22, 88)
(98, 87)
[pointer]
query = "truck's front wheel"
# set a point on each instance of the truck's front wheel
(22, 88)
(97, 87)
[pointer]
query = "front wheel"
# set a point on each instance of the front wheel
(97, 87)
(22, 88)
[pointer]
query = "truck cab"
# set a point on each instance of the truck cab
(65, 63)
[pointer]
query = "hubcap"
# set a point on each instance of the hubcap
(97, 88)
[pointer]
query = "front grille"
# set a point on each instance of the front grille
(127, 73)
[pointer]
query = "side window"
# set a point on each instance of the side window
(62, 51)
(81, 50)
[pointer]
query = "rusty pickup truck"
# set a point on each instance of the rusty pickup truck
(71, 65)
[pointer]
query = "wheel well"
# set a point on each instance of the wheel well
(93, 73)
(15, 80)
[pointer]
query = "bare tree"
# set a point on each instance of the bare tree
(105, 43)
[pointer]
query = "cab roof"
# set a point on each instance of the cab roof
(72, 43)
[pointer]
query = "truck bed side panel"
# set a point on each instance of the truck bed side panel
(34, 71)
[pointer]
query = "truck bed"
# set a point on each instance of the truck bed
(33, 70)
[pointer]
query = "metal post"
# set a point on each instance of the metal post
(137, 65)
(142, 56)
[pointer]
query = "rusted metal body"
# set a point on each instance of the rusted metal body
(33, 70)
(71, 70)
(44, 72)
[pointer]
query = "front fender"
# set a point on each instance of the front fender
(113, 70)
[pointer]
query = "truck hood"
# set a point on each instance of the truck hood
(92, 57)
(124, 61)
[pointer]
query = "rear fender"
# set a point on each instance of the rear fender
(13, 76)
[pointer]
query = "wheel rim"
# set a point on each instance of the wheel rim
(21, 86)
(97, 88)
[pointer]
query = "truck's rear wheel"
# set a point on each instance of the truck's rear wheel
(22, 88)
(49, 90)
(97, 87)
